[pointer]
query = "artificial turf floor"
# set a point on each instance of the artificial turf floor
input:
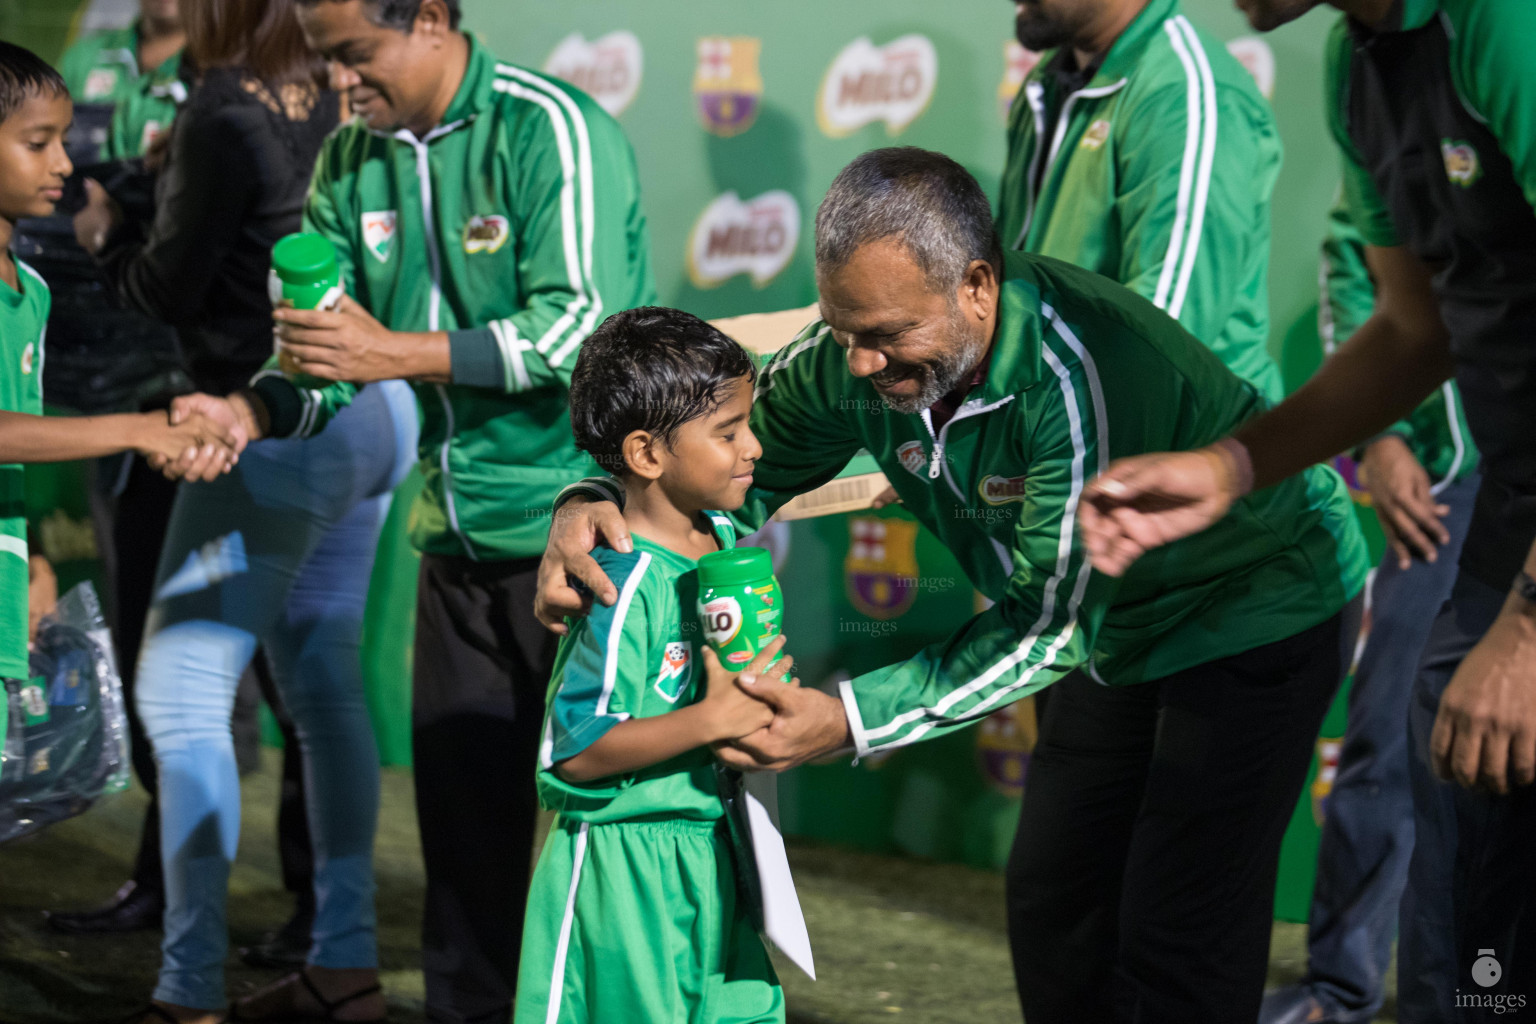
(894, 939)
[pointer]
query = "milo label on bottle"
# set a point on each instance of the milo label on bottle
(740, 604)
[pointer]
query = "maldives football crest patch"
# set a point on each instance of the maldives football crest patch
(673, 676)
(379, 234)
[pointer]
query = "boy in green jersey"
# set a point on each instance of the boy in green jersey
(35, 112)
(633, 913)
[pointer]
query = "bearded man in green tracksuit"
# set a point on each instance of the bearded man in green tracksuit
(990, 388)
(1139, 148)
(487, 218)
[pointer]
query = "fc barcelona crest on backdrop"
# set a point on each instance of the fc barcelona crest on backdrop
(727, 85)
(880, 570)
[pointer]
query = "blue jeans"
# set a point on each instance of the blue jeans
(1368, 836)
(280, 551)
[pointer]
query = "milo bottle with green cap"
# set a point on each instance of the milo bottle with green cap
(306, 274)
(740, 605)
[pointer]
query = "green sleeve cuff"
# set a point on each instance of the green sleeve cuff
(476, 359)
(285, 406)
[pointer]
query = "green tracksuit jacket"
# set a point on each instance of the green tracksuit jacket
(515, 225)
(1156, 174)
(104, 68)
(1081, 372)
(1437, 431)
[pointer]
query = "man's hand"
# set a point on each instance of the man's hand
(1408, 513)
(349, 344)
(42, 593)
(97, 219)
(1485, 731)
(212, 433)
(574, 531)
(1147, 501)
(807, 724)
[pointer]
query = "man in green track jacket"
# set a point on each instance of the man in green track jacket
(990, 388)
(487, 218)
(1140, 149)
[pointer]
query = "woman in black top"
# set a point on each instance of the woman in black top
(279, 550)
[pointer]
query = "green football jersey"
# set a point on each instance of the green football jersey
(636, 659)
(104, 68)
(23, 323)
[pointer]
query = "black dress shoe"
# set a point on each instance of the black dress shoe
(132, 909)
(285, 949)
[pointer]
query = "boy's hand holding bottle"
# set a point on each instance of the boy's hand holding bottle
(734, 712)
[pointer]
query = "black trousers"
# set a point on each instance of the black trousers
(131, 507)
(482, 664)
(1141, 883)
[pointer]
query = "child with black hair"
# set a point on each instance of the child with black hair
(35, 114)
(633, 913)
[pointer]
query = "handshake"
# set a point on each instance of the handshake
(200, 437)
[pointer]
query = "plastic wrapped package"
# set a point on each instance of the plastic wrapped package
(65, 728)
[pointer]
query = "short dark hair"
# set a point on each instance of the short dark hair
(650, 368)
(923, 199)
(396, 14)
(23, 74)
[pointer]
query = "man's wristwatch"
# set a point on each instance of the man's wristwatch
(1525, 586)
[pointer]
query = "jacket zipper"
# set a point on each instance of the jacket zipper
(434, 308)
(936, 461)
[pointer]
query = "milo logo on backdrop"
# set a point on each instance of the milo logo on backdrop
(607, 69)
(1017, 64)
(866, 83)
(733, 237)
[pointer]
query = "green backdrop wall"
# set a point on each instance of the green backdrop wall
(740, 114)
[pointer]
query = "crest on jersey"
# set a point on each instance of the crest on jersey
(1096, 135)
(727, 85)
(100, 83)
(1000, 490)
(673, 677)
(1017, 64)
(607, 69)
(485, 234)
(1461, 164)
(913, 458)
(27, 355)
(866, 83)
(880, 569)
(379, 234)
(1255, 55)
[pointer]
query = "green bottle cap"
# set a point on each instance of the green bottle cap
(305, 258)
(738, 565)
